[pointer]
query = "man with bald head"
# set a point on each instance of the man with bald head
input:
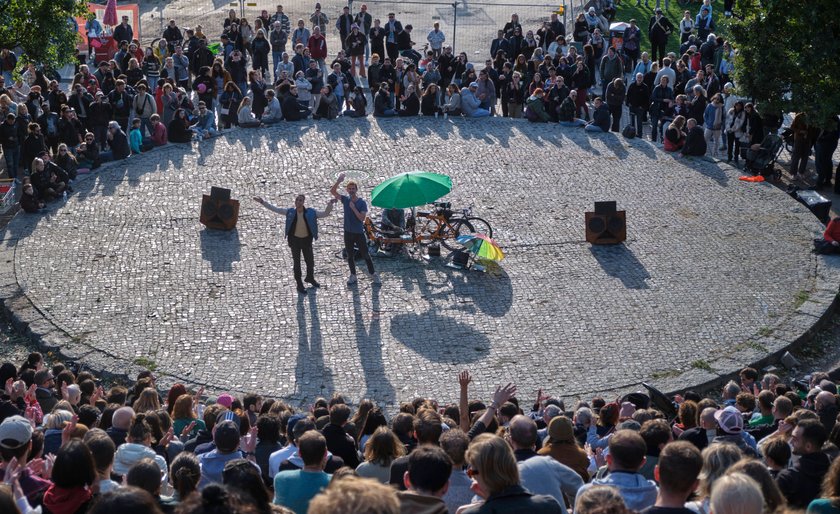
(826, 406)
(702, 435)
(120, 423)
(540, 474)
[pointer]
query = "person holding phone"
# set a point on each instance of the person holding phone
(301, 230)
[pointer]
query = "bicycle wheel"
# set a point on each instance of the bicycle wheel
(481, 226)
(428, 231)
(459, 228)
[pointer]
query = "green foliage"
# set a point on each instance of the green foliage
(787, 56)
(627, 10)
(42, 28)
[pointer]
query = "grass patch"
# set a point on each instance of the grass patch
(765, 331)
(627, 10)
(702, 364)
(145, 362)
(800, 298)
(666, 373)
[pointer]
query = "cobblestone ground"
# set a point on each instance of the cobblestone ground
(715, 272)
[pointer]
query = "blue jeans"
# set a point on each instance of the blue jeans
(12, 156)
(480, 113)
(577, 122)
(387, 113)
(276, 58)
(152, 83)
(593, 128)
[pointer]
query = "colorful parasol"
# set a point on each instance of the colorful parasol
(482, 247)
(410, 189)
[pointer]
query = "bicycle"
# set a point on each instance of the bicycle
(445, 225)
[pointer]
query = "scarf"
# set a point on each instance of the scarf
(60, 500)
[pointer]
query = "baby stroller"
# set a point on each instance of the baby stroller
(762, 160)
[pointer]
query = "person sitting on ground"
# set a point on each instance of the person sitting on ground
(561, 445)
(409, 102)
(470, 104)
(359, 103)
(138, 143)
(535, 107)
(828, 244)
(381, 450)
(29, 200)
(328, 107)
(626, 456)
(137, 447)
(226, 439)
(453, 101)
(601, 500)
(600, 118)
(568, 111)
(352, 495)
(179, 128)
(294, 109)
(245, 116)
(695, 141)
(679, 466)
(205, 122)
(674, 138)
(383, 106)
(146, 475)
(48, 185)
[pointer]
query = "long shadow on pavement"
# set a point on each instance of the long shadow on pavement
(220, 248)
(440, 338)
(369, 343)
(618, 261)
(310, 365)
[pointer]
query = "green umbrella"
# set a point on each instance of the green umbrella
(410, 189)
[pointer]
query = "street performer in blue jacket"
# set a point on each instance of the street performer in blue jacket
(301, 230)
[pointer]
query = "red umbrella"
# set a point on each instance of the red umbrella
(110, 16)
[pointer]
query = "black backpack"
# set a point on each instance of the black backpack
(629, 131)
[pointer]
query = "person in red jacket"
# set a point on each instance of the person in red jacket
(317, 45)
(830, 242)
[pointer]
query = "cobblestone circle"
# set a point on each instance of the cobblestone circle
(715, 273)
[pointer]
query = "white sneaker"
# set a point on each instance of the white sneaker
(376, 280)
(351, 280)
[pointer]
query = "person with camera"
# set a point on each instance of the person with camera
(301, 230)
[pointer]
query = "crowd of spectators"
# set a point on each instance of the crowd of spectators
(69, 446)
(177, 89)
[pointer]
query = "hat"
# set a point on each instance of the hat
(473, 84)
(15, 431)
(226, 436)
(10, 115)
(730, 420)
(225, 399)
(561, 430)
(354, 26)
(591, 10)
(44, 375)
(658, 10)
(290, 425)
(729, 85)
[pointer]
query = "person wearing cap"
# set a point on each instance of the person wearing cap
(319, 20)
(470, 104)
(659, 30)
(355, 45)
(731, 430)
(562, 446)
(16, 443)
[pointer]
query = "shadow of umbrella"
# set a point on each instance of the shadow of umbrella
(440, 338)
(220, 248)
(618, 261)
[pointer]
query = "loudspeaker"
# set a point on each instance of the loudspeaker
(218, 211)
(460, 258)
(433, 250)
(606, 225)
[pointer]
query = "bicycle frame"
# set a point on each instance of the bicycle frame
(419, 235)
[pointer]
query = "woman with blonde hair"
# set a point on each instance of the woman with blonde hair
(492, 467)
(148, 400)
(382, 448)
(717, 458)
(736, 494)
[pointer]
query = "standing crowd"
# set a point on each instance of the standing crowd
(68, 446)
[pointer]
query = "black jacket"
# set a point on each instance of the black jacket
(801, 483)
(516, 499)
(8, 135)
(695, 142)
(341, 444)
(638, 95)
(292, 110)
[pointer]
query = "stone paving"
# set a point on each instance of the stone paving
(715, 272)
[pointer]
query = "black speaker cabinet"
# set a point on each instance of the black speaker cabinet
(218, 210)
(606, 225)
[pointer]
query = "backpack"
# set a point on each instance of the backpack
(629, 131)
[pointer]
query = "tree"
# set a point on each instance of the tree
(43, 29)
(787, 56)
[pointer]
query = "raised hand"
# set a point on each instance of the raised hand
(503, 394)
(464, 378)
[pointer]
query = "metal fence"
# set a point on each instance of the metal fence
(469, 26)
